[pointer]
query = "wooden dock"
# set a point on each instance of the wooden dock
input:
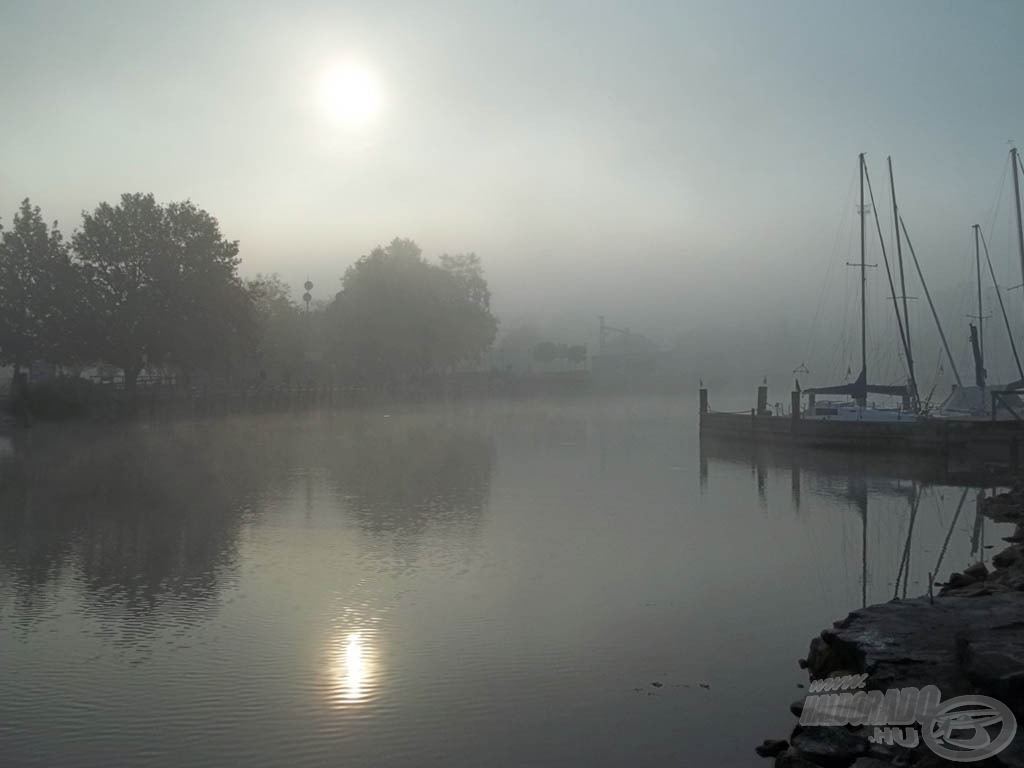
(995, 440)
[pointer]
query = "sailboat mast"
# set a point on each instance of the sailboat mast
(863, 287)
(977, 269)
(903, 283)
(1016, 195)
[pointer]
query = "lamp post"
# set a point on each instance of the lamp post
(308, 297)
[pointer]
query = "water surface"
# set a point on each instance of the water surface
(492, 584)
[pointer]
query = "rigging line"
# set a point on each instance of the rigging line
(1002, 307)
(831, 267)
(928, 296)
(904, 335)
(999, 197)
(913, 514)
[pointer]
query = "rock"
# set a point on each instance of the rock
(823, 658)
(957, 580)
(976, 589)
(977, 571)
(914, 642)
(870, 762)
(995, 665)
(797, 707)
(829, 743)
(1007, 557)
(772, 747)
(792, 759)
(1013, 755)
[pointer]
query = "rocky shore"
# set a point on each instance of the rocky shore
(966, 640)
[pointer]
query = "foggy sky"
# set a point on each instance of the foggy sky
(662, 163)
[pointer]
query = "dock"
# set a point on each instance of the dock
(998, 441)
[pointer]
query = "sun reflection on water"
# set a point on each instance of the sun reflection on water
(353, 669)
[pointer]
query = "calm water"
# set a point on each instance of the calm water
(474, 585)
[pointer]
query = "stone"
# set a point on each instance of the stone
(793, 759)
(995, 665)
(957, 580)
(772, 747)
(977, 571)
(830, 743)
(1007, 557)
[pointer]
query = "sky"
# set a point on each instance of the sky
(674, 166)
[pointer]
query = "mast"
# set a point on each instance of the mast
(1002, 309)
(888, 272)
(977, 269)
(903, 283)
(863, 288)
(1016, 195)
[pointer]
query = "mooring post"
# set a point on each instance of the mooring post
(794, 407)
(703, 401)
(811, 403)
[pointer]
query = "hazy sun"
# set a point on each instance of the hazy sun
(350, 95)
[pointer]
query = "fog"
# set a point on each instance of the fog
(686, 170)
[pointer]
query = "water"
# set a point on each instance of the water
(471, 585)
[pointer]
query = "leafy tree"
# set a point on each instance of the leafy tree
(576, 354)
(547, 352)
(39, 291)
(161, 287)
(398, 316)
(515, 347)
(280, 348)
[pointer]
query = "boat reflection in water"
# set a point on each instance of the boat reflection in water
(909, 509)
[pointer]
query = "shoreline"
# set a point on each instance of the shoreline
(966, 640)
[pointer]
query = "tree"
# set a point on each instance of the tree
(39, 291)
(161, 287)
(398, 316)
(280, 347)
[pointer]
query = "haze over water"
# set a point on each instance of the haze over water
(474, 584)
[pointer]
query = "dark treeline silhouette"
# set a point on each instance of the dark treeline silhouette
(153, 291)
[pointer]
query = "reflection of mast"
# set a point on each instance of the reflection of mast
(978, 534)
(858, 491)
(795, 482)
(904, 569)
(949, 534)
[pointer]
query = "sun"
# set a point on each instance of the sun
(350, 95)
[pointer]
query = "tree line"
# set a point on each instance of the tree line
(147, 286)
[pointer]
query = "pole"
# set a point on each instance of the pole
(977, 269)
(1002, 308)
(863, 291)
(903, 281)
(1016, 196)
(888, 275)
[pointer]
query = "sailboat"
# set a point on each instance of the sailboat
(858, 409)
(979, 401)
